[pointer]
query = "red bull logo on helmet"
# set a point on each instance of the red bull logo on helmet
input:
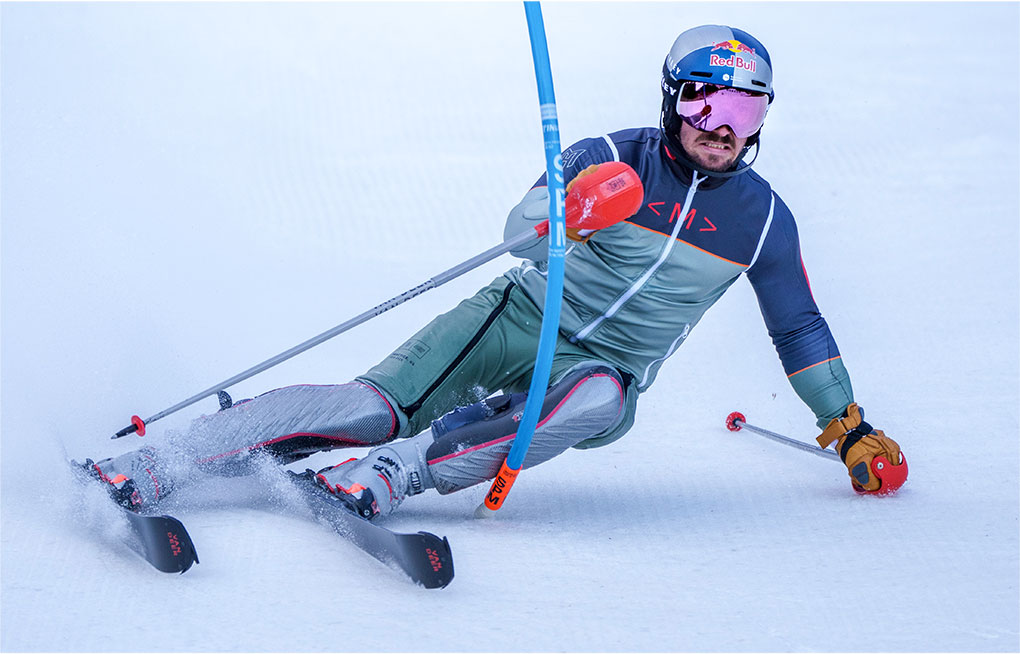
(733, 62)
(733, 46)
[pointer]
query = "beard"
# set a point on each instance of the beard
(719, 160)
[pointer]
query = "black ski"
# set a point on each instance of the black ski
(424, 557)
(162, 541)
(159, 539)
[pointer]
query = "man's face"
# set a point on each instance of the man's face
(716, 150)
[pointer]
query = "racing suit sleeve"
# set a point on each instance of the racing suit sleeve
(579, 156)
(799, 332)
(534, 208)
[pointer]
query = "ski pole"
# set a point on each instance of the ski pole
(736, 421)
(514, 461)
(593, 204)
(137, 424)
(891, 476)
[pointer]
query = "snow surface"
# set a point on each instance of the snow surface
(189, 189)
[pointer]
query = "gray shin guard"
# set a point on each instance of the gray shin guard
(469, 449)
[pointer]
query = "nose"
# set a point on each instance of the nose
(724, 131)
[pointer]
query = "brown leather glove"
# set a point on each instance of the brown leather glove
(874, 460)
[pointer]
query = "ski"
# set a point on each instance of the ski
(159, 539)
(424, 557)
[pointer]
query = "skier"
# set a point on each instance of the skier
(632, 294)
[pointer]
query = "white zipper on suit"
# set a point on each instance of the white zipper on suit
(643, 279)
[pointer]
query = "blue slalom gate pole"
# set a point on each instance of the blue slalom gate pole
(554, 286)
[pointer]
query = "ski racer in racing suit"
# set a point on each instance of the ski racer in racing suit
(442, 409)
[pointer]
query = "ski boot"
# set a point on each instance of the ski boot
(377, 484)
(130, 478)
(357, 498)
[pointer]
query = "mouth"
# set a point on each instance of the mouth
(718, 147)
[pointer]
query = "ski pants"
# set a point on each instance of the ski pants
(484, 345)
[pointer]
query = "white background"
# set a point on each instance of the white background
(188, 189)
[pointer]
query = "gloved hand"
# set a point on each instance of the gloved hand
(529, 212)
(874, 460)
(532, 210)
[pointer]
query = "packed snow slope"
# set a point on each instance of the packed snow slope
(189, 189)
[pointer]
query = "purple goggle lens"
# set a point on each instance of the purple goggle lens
(709, 107)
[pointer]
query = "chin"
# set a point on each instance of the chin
(715, 167)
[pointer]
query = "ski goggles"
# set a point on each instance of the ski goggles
(709, 106)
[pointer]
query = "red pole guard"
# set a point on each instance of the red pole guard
(501, 486)
(139, 425)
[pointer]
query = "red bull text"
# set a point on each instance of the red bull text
(733, 62)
